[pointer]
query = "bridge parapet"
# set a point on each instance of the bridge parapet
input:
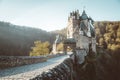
(13, 61)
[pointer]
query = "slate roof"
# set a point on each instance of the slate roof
(84, 15)
(92, 30)
(83, 27)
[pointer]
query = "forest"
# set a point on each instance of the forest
(108, 35)
(19, 40)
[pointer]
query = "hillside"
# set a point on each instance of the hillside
(18, 40)
(62, 32)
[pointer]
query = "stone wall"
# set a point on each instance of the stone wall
(14, 61)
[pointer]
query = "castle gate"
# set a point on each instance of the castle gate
(71, 43)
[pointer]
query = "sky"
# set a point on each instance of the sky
(52, 15)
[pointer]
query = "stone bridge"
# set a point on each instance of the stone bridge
(30, 71)
(59, 68)
(79, 65)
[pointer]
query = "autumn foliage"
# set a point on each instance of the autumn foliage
(40, 48)
(108, 35)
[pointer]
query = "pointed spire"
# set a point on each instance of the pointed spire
(84, 15)
(84, 8)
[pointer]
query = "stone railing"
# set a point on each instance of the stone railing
(13, 61)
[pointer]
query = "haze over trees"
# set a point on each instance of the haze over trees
(17, 40)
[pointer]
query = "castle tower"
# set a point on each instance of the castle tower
(56, 43)
(80, 28)
(73, 23)
(80, 32)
